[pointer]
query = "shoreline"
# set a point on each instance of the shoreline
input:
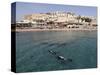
(27, 30)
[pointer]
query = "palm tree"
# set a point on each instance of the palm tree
(82, 19)
(88, 20)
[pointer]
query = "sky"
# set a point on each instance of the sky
(24, 8)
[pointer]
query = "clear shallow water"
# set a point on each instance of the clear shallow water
(32, 50)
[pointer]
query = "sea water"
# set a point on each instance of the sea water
(32, 50)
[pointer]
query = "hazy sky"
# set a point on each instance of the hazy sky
(29, 8)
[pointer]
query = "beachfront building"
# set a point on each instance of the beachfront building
(57, 19)
(23, 24)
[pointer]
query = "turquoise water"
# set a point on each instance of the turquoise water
(32, 50)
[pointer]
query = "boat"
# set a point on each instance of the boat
(64, 59)
(53, 52)
(59, 57)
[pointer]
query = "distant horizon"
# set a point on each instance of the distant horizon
(25, 8)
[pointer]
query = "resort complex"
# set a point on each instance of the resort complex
(56, 20)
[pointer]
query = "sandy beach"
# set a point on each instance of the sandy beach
(65, 29)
